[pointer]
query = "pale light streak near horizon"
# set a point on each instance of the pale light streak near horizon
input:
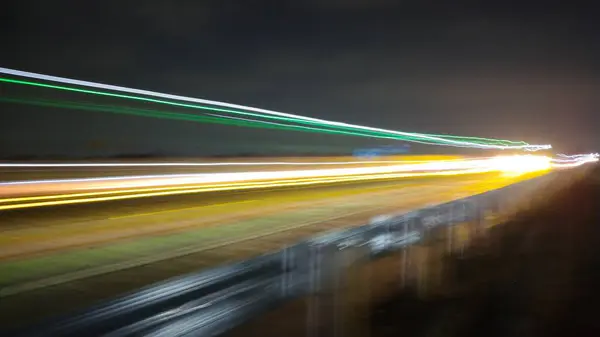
(574, 160)
(576, 156)
(183, 164)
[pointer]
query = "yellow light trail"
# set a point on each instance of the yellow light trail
(495, 163)
(120, 191)
(166, 185)
(232, 163)
(245, 186)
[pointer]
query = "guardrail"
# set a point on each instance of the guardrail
(213, 301)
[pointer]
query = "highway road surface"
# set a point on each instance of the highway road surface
(55, 258)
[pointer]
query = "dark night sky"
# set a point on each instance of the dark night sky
(506, 69)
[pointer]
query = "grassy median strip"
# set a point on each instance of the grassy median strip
(15, 272)
(55, 265)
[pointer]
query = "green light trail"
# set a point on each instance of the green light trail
(177, 116)
(314, 126)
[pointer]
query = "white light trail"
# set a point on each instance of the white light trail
(209, 164)
(96, 85)
(574, 160)
(503, 163)
(223, 177)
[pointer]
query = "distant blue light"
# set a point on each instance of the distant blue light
(385, 150)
